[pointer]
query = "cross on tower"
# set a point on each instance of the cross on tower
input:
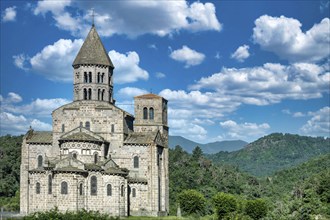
(93, 15)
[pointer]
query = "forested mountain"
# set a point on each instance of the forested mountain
(274, 152)
(209, 148)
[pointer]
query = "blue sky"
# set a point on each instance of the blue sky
(230, 69)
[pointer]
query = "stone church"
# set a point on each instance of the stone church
(98, 156)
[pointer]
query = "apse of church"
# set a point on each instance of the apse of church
(98, 156)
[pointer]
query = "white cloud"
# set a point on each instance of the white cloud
(38, 107)
(241, 53)
(187, 129)
(9, 14)
(284, 37)
(319, 124)
(160, 75)
(132, 18)
(188, 56)
(21, 61)
(130, 92)
(267, 84)
(244, 130)
(19, 124)
(127, 67)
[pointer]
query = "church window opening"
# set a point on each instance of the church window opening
(80, 189)
(145, 113)
(95, 158)
(122, 190)
(133, 192)
(40, 160)
(98, 94)
(93, 186)
(64, 188)
(102, 96)
(63, 128)
(102, 78)
(136, 162)
(50, 184)
(37, 188)
(85, 94)
(88, 125)
(89, 94)
(109, 190)
(151, 113)
(112, 128)
(85, 77)
(90, 77)
(74, 155)
(98, 77)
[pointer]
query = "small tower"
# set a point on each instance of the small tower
(151, 114)
(93, 69)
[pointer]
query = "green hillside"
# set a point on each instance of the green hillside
(274, 152)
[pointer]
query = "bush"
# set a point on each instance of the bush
(192, 202)
(256, 209)
(224, 204)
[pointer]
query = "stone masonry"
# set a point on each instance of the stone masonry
(98, 157)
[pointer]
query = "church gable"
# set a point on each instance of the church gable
(69, 162)
(81, 134)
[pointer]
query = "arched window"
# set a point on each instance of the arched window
(74, 155)
(136, 162)
(102, 96)
(64, 188)
(109, 190)
(133, 192)
(98, 77)
(102, 78)
(88, 125)
(85, 94)
(90, 77)
(151, 113)
(122, 190)
(63, 128)
(40, 160)
(80, 189)
(50, 184)
(145, 113)
(93, 186)
(96, 158)
(89, 94)
(85, 77)
(112, 128)
(37, 188)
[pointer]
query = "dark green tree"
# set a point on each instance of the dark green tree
(197, 153)
(256, 208)
(192, 202)
(224, 204)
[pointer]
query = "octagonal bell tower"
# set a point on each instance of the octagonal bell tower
(93, 70)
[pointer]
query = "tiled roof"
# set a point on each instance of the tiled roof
(137, 180)
(92, 166)
(141, 138)
(42, 137)
(92, 51)
(113, 170)
(149, 96)
(70, 169)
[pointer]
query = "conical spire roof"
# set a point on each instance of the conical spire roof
(92, 51)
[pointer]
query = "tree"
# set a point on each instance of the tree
(256, 208)
(197, 153)
(192, 202)
(224, 204)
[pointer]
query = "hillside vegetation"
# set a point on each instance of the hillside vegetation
(274, 152)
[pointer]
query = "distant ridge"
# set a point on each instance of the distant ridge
(210, 148)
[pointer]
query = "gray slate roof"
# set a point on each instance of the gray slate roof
(40, 137)
(141, 138)
(92, 51)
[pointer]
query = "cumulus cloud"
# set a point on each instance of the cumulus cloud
(127, 67)
(160, 75)
(9, 14)
(19, 124)
(241, 131)
(268, 84)
(319, 124)
(130, 92)
(188, 56)
(241, 53)
(187, 129)
(11, 98)
(284, 37)
(132, 18)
